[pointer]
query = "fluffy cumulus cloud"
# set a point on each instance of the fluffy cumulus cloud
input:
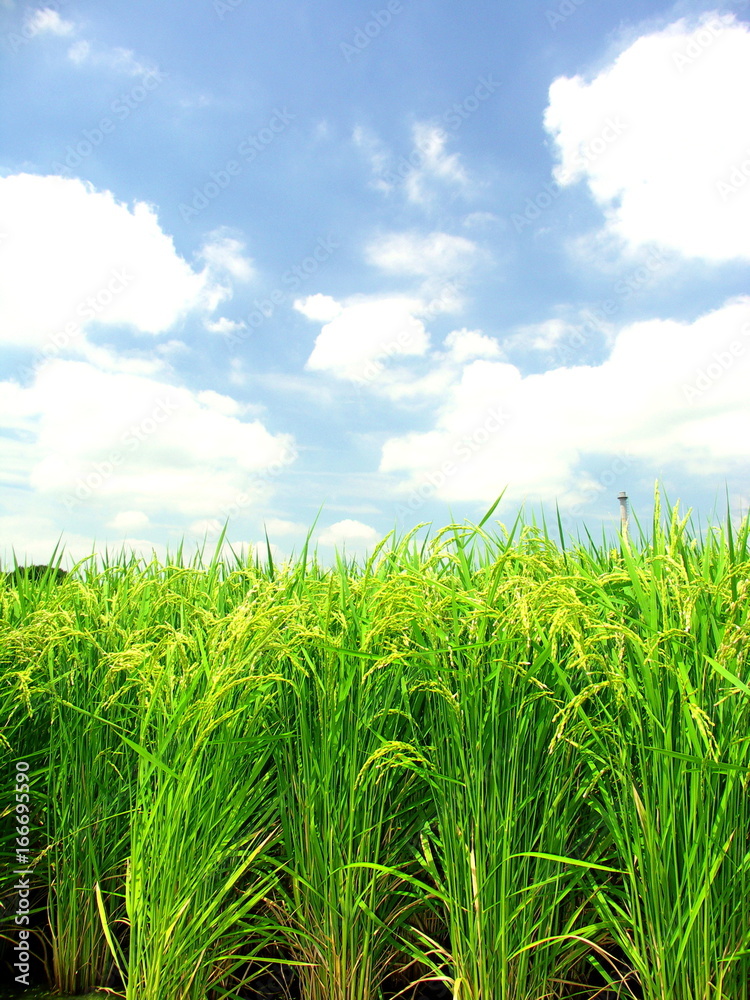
(129, 520)
(80, 436)
(669, 393)
(349, 530)
(375, 342)
(72, 256)
(465, 345)
(400, 382)
(322, 308)
(657, 137)
(363, 333)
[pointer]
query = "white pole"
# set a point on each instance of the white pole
(623, 498)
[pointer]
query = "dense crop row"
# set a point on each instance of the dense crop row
(521, 768)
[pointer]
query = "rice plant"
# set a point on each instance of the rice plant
(509, 826)
(81, 789)
(202, 820)
(351, 799)
(667, 724)
(515, 765)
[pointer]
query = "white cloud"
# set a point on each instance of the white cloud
(34, 536)
(117, 60)
(378, 156)
(278, 526)
(361, 335)
(74, 256)
(318, 307)
(128, 362)
(432, 162)
(223, 253)
(367, 330)
(465, 345)
(237, 372)
(425, 171)
(435, 255)
(219, 403)
(480, 219)
(134, 443)
(559, 342)
(669, 392)
(223, 326)
(46, 20)
(129, 520)
(656, 135)
(125, 61)
(341, 532)
(402, 384)
(79, 52)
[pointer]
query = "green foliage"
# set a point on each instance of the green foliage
(484, 758)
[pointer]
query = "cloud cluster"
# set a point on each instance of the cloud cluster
(89, 426)
(653, 135)
(80, 435)
(669, 393)
(657, 137)
(362, 335)
(72, 257)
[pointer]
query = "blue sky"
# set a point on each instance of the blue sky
(386, 260)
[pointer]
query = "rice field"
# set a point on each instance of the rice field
(491, 765)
